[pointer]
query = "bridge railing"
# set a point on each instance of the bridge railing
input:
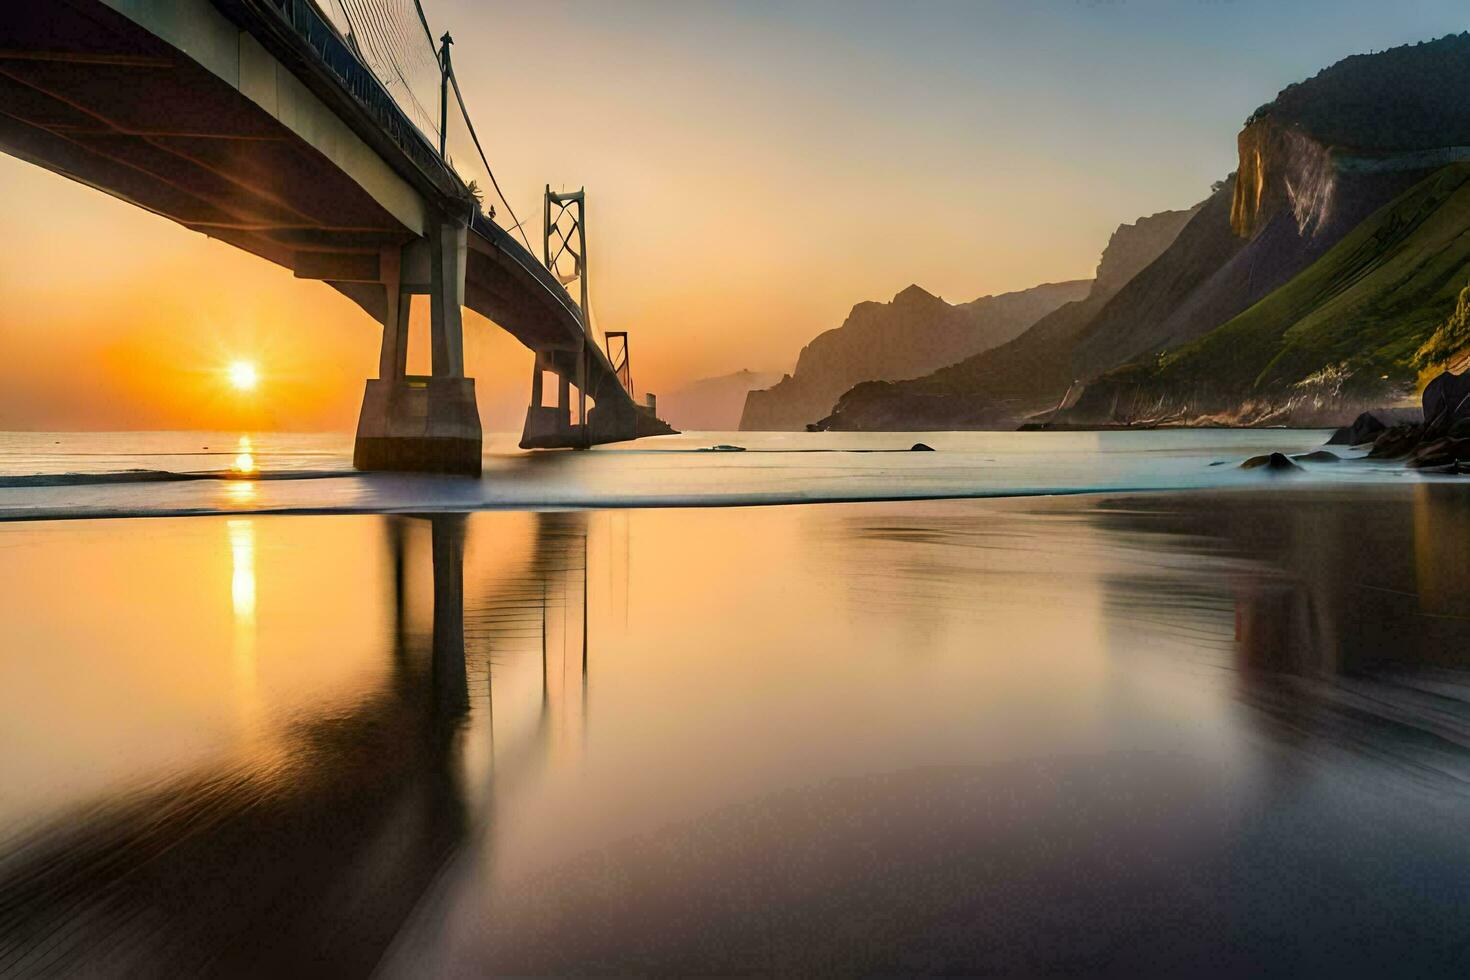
(338, 53)
(390, 39)
(393, 41)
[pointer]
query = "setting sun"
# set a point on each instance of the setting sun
(243, 375)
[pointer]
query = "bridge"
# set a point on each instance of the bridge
(331, 138)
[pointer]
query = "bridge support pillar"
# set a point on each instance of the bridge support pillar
(414, 423)
(549, 426)
(451, 688)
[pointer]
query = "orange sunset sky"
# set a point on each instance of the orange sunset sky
(753, 170)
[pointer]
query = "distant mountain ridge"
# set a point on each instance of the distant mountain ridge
(1034, 371)
(911, 335)
(713, 404)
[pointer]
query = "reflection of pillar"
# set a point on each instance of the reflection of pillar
(397, 528)
(586, 572)
(545, 687)
(586, 625)
(451, 688)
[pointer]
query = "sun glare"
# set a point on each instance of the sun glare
(243, 375)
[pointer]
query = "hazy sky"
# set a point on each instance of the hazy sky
(753, 170)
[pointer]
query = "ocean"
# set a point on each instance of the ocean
(58, 475)
(1029, 703)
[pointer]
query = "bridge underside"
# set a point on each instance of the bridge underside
(86, 92)
(258, 149)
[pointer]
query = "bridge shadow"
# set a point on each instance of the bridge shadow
(314, 856)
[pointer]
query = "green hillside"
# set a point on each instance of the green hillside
(1359, 313)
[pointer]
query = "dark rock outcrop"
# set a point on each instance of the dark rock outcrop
(1446, 400)
(1440, 443)
(1397, 441)
(1365, 429)
(1272, 462)
(1440, 454)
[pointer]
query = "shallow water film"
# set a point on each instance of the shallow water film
(1219, 731)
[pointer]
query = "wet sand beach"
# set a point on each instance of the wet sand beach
(1204, 732)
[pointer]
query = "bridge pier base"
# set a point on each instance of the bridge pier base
(412, 423)
(549, 426)
(430, 426)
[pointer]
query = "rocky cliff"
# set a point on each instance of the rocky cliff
(909, 336)
(1351, 332)
(1349, 201)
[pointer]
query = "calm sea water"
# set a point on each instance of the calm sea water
(128, 474)
(1218, 729)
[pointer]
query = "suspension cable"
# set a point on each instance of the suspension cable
(481, 150)
(380, 33)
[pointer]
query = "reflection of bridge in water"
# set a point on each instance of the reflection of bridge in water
(297, 131)
(316, 849)
(530, 628)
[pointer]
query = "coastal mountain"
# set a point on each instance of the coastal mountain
(909, 336)
(1033, 372)
(1320, 161)
(1336, 340)
(713, 404)
(1343, 333)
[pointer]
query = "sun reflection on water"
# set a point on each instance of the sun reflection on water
(240, 492)
(244, 463)
(242, 567)
(242, 605)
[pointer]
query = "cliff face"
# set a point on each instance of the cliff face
(713, 404)
(999, 387)
(1332, 160)
(1134, 247)
(1393, 111)
(1350, 332)
(1213, 273)
(909, 336)
(1281, 168)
